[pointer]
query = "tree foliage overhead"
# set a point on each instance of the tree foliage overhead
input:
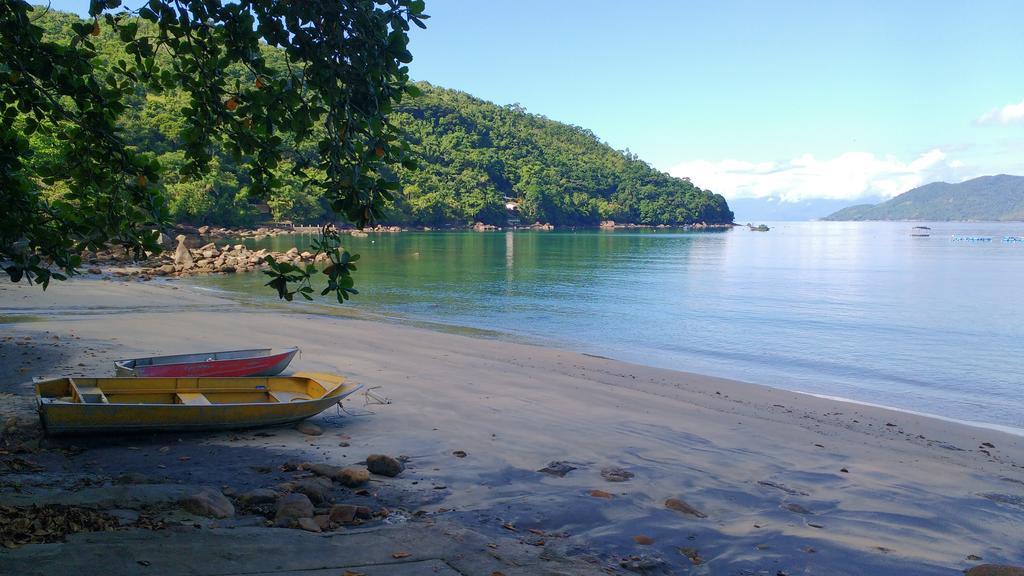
(472, 155)
(315, 115)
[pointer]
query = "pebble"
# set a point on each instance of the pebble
(209, 502)
(343, 513)
(353, 476)
(681, 506)
(996, 570)
(316, 489)
(292, 507)
(557, 468)
(309, 428)
(796, 508)
(257, 496)
(384, 465)
(613, 474)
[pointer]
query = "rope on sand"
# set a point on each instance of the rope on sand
(369, 397)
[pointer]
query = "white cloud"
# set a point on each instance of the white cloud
(848, 176)
(1005, 115)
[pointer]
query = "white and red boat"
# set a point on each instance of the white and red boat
(230, 363)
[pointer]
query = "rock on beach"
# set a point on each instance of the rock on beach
(384, 465)
(292, 507)
(208, 502)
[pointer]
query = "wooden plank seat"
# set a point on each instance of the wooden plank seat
(286, 397)
(89, 394)
(193, 399)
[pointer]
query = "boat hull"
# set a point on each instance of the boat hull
(68, 417)
(201, 366)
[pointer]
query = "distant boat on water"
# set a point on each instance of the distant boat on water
(758, 228)
(921, 231)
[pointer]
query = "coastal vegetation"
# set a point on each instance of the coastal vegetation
(294, 94)
(472, 157)
(988, 198)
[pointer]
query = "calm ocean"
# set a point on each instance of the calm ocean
(862, 311)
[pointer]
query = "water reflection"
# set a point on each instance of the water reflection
(861, 310)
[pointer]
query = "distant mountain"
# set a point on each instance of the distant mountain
(990, 198)
(776, 210)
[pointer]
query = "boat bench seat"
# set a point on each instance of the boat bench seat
(91, 395)
(286, 397)
(88, 394)
(193, 399)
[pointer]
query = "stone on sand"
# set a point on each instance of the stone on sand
(996, 570)
(614, 474)
(317, 489)
(309, 525)
(557, 468)
(292, 507)
(323, 521)
(681, 506)
(182, 255)
(208, 502)
(325, 470)
(353, 476)
(796, 508)
(343, 513)
(384, 465)
(257, 496)
(309, 428)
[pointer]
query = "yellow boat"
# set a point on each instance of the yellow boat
(74, 405)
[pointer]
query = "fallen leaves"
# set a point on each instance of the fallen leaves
(22, 465)
(601, 494)
(400, 555)
(643, 540)
(459, 453)
(51, 523)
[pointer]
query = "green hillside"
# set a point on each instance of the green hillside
(988, 198)
(473, 155)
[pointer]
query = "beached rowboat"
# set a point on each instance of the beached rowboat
(76, 405)
(259, 362)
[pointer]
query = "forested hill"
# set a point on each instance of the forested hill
(475, 152)
(474, 155)
(991, 198)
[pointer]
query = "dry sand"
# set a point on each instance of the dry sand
(788, 482)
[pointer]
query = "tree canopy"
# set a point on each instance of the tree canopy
(294, 93)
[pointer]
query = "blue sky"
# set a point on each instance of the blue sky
(787, 99)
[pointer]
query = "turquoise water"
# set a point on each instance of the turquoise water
(856, 310)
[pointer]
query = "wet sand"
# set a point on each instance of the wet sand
(784, 481)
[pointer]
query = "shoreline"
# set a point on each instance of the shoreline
(510, 337)
(472, 331)
(783, 481)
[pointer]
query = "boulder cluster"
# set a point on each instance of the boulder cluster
(227, 258)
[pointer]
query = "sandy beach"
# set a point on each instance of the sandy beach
(761, 480)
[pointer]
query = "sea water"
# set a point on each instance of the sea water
(863, 311)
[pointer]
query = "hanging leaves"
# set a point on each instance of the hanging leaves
(344, 70)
